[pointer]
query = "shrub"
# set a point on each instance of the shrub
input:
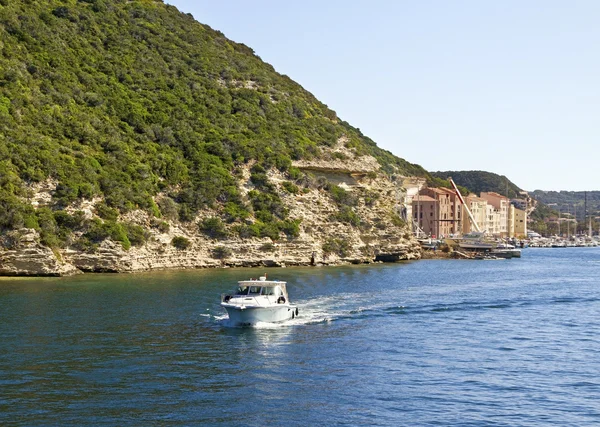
(267, 205)
(161, 226)
(221, 252)
(73, 222)
(168, 208)
(213, 227)
(48, 227)
(235, 211)
(270, 230)
(268, 247)
(341, 196)
(117, 233)
(65, 193)
(186, 214)
(181, 242)
(290, 228)
(397, 221)
(61, 12)
(371, 197)
(106, 212)
(245, 231)
(336, 246)
(290, 187)
(136, 234)
(99, 231)
(348, 216)
(294, 173)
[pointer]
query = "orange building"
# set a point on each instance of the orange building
(440, 213)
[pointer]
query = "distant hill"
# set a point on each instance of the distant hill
(571, 202)
(478, 181)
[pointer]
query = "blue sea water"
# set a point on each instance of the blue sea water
(428, 343)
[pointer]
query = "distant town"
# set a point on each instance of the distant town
(439, 213)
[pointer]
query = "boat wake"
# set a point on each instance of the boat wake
(326, 309)
(358, 307)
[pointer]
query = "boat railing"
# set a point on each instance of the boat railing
(242, 299)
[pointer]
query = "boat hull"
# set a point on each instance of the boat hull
(248, 316)
(476, 245)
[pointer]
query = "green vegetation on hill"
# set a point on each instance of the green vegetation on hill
(478, 181)
(579, 205)
(127, 100)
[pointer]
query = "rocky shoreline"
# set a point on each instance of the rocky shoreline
(381, 236)
(28, 257)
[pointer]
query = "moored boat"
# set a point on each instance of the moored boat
(476, 241)
(506, 250)
(257, 301)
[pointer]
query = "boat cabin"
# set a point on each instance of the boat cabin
(262, 286)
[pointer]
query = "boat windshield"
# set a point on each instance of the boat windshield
(254, 290)
(267, 290)
(259, 290)
(242, 290)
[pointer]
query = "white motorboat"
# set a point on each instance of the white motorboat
(476, 240)
(506, 250)
(257, 301)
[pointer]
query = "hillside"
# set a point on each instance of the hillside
(571, 202)
(125, 121)
(478, 181)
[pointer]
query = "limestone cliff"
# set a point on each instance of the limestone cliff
(381, 234)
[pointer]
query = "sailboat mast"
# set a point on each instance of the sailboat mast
(588, 219)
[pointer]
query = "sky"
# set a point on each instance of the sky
(510, 87)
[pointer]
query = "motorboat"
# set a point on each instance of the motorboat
(259, 300)
(429, 243)
(476, 241)
(506, 250)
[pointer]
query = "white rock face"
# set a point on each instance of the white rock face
(28, 257)
(380, 236)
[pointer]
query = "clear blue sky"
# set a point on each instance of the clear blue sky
(510, 87)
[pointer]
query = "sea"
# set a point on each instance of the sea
(425, 343)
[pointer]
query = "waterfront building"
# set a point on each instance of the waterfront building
(520, 223)
(425, 214)
(449, 213)
(519, 203)
(407, 195)
(478, 208)
(500, 204)
(492, 224)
